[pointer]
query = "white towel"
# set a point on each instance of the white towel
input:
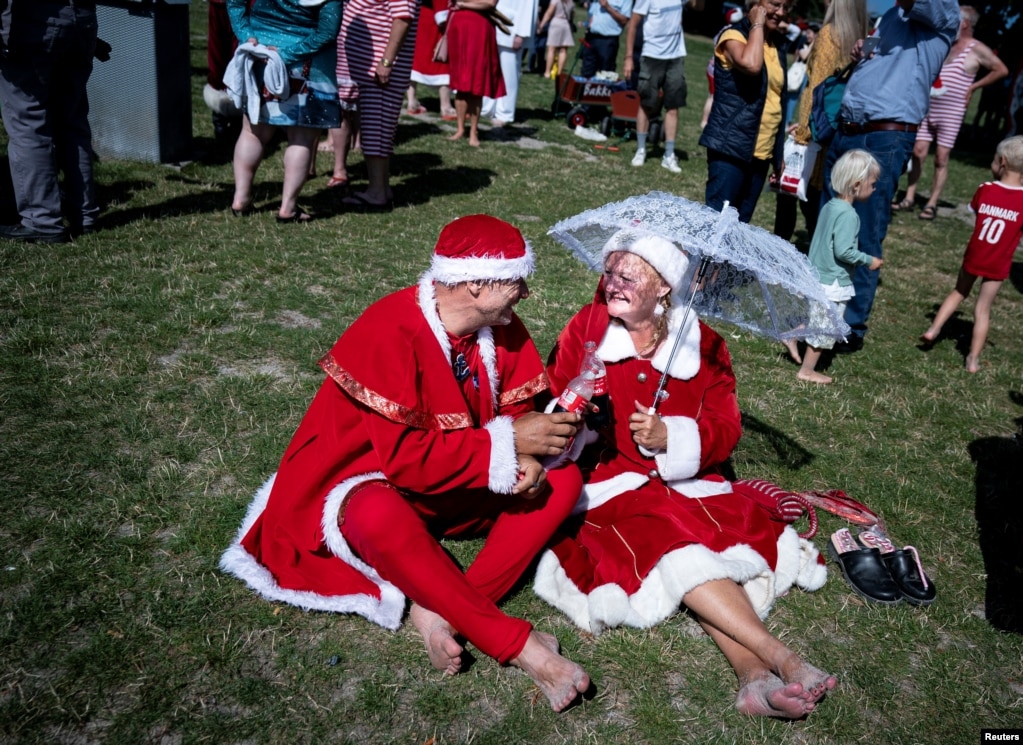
(241, 82)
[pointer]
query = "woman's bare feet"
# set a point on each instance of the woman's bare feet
(793, 349)
(769, 696)
(457, 135)
(813, 377)
(972, 364)
(561, 680)
(815, 683)
(442, 647)
(474, 140)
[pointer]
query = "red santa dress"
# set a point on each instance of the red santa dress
(389, 411)
(474, 64)
(649, 529)
(433, 15)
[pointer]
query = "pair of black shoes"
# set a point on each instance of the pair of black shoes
(878, 571)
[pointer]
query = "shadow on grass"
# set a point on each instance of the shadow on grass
(998, 484)
(1016, 275)
(789, 453)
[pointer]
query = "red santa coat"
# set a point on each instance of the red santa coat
(390, 409)
(651, 528)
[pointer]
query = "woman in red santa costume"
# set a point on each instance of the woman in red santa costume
(425, 429)
(657, 524)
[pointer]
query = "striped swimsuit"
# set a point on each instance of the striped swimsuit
(945, 115)
(365, 27)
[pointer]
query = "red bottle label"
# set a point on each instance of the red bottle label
(571, 401)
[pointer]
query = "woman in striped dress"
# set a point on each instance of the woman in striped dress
(374, 63)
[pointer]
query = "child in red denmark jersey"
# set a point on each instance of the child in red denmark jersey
(999, 209)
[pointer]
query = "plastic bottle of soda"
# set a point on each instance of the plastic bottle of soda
(601, 398)
(577, 393)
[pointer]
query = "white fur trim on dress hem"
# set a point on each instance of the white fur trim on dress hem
(678, 572)
(386, 611)
(504, 463)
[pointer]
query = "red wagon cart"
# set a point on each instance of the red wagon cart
(611, 103)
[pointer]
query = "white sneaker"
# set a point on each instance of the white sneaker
(639, 158)
(671, 163)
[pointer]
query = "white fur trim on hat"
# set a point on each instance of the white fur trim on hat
(450, 271)
(664, 256)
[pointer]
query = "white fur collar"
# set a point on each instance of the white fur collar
(427, 300)
(617, 346)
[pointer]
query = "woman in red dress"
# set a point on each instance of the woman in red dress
(474, 63)
(657, 523)
(425, 69)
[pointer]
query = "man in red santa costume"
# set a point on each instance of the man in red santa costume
(425, 429)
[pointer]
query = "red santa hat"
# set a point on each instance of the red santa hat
(480, 248)
(664, 256)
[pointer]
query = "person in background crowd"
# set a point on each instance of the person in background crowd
(474, 63)
(46, 63)
(302, 37)
(374, 63)
(845, 23)
(558, 23)
(998, 206)
(945, 115)
(426, 70)
(662, 79)
(604, 25)
(744, 136)
(522, 14)
(885, 100)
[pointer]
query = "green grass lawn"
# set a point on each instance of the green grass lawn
(152, 375)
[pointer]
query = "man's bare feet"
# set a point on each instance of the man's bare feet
(972, 364)
(442, 647)
(793, 349)
(813, 377)
(561, 680)
(769, 696)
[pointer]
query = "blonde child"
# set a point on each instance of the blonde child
(999, 209)
(834, 250)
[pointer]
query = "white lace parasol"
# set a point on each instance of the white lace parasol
(752, 278)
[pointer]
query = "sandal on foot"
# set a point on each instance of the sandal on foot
(333, 182)
(243, 212)
(416, 110)
(906, 205)
(299, 216)
(864, 569)
(928, 213)
(904, 566)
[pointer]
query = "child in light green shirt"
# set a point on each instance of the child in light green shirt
(834, 251)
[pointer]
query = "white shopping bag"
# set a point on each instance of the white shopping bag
(799, 162)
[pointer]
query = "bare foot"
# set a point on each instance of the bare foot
(474, 141)
(561, 680)
(442, 647)
(770, 697)
(793, 349)
(457, 135)
(972, 364)
(813, 377)
(815, 683)
(549, 640)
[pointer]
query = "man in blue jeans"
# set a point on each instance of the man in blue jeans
(886, 99)
(604, 27)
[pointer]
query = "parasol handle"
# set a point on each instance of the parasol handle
(700, 274)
